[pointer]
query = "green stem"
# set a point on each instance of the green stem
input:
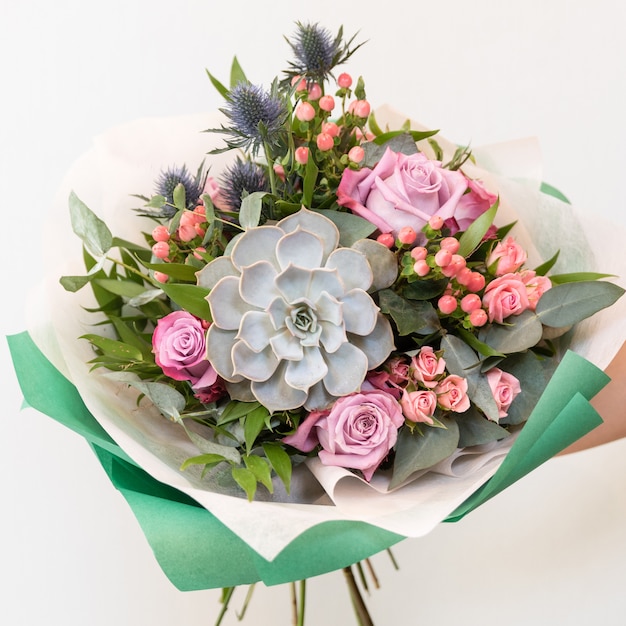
(270, 167)
(227, 594)
(244, 608)
(300, 621)
(129, 268)
(360, 609)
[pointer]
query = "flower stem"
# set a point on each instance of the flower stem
(298, 607)
(227, 594)
(360, 609)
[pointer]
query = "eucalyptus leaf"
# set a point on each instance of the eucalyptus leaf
(93, 232)
(207, 446)
(516, 334)
(352, 228)
(461, 360)
(156, 202)
(410, 316)
(415, 451)
(572, 302)
(180, 197)
(148, 295)
(74, 283)
(169, 401)
(250, 211)
(574, 277)
(475, 429)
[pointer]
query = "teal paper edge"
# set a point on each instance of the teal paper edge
(206, 554)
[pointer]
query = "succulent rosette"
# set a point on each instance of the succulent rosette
(293, 323)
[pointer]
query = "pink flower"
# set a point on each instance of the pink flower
(178, 343)
(536, 286)
(214, 392)
(398, 369)
(452, 394)
(419, 406)
(187, 229)
(401, 190)
(472, 205)
(508, 256)
(357, 433)
(426, 367)
(504, 387)
(505, 296)
(213, 190)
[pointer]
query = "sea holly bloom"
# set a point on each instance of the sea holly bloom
(179, 347)
(452, 394)
(166, 184)
(402, 190)
(357, 433)
(257, 116)
(242, 177)
(504, 387)
(317, 52)
(293, 324)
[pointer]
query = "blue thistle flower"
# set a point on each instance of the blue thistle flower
(317, 52)
(167, 182)
(257, 116)
(242, 177)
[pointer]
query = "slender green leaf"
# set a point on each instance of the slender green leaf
(253, 424)
(178, 271)
(210, 459)
(114, 348)
(416, 135)
(222, 90)
(472, 237)
(281, 462)
(310, 181)
(575, 277)
(191, 298)
(544, 268)
(554, 192)
(235, 410)
(246, 479)
(121, 287)
(237, 74)
(260, 467)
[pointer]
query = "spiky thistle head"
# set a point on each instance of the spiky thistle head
(241, 177)
(257, 116)
(317, 52)
(168, 181)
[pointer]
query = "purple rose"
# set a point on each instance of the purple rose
(357, 433)
(402, 190)
(178, 343)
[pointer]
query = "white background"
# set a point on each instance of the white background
(552, 549)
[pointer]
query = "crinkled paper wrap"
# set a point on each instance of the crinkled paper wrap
(126, 161)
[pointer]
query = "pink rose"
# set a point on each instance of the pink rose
(504, 387)
(402, 190)
(505, 296)
(452, 394)
(536, 286)
(357, 433)
(213, 393)
(508, 256)
(178, 343)
(427, 367)
(472, 205)
(419, 406)
(398, 370)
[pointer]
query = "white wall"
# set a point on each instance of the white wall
(549, 551)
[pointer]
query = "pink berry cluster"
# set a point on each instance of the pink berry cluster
(185, 240)
(315, 128)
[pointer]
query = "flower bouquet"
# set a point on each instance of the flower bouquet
(339, 332)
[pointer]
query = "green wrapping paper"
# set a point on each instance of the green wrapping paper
(210, 555)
